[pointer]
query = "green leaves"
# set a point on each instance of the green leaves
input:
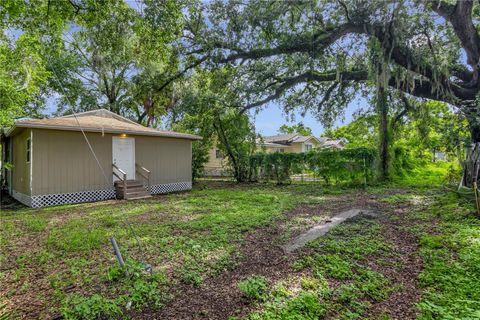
(353, 165)
(22, 74)
(254, 288)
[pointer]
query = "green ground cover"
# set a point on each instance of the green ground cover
(59, 260)
(185, 237)
(338, 280)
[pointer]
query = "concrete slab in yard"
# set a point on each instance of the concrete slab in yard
(323, 228)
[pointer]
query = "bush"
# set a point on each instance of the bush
(254, 288)
(354, 165)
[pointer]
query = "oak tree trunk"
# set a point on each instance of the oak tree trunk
(472, 164)
(384, 134)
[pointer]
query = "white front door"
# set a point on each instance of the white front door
(123, 152)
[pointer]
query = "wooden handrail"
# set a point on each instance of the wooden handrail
(143, 168)
(146, 176)
(124, 179)
(121, 171)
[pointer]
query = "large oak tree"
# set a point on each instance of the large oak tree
(320, 55)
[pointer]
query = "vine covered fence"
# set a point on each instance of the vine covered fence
(355, 166)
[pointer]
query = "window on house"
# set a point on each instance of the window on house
(29, 146)
(308, 147)
(281, 150)
(218, 154)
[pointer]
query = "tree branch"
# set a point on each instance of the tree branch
(288, 83)
(181, 73)
(420, 88)
(407, 107)
(460, 17)
(311, 44)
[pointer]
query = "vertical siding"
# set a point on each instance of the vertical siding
(21, 169)
(63, 162)
(169, 160)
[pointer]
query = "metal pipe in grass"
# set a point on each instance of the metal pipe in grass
(117, 252)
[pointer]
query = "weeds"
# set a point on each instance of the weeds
(3, 314)
(451, 259)
(190, 276)
(200, 229)
(90, 308)
(254, 288)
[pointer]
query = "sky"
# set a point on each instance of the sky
(271, 117)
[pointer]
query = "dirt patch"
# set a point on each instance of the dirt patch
(262, 254)
(403, 269)
(219, 296)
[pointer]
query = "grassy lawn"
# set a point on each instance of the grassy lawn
(59, 260)
(419, 258)
(359, 269)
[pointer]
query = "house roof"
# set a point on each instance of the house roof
(271, 144)
(289, 138)
(100, 120)
(333, 143)
(305, 138)
(281, 138)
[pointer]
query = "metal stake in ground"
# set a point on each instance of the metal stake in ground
(117, 252)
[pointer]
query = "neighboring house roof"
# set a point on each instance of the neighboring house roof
(100, 120)
(332, 143)
(281, 138)
(270, 144)
(287, 139)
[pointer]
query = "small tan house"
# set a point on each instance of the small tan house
(92, 156)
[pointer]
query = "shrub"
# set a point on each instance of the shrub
(254, 288)
(355, 165)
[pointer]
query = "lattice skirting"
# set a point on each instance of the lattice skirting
(46, 200)
(170, 187)
(73, 197)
